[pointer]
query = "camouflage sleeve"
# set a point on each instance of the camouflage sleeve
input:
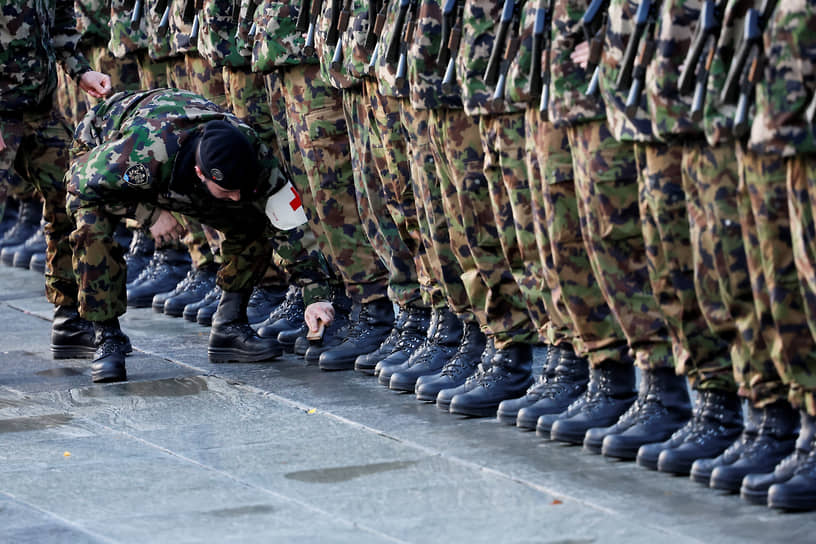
(568, 82)
(65, 38)
(478, 33)
(338, 78)
(123, 39)
(355, 56)
(182, 13)
(92, 18)
(277, 42)
(386, 72)
(518, 75)
(782, 96)
(216, 38)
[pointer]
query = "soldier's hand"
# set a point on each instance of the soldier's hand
(95, 84)
(317, 312)
(2, 142)
(166, 228)
(580, 55)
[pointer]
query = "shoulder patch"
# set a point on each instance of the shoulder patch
(136, 175)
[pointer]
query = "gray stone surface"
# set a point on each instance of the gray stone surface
(187, 451)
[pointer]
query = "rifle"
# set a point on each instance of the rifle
(698, 62)
(302, 24)
(646, 16)
(375, 24)
(747, 66)
(508, 15)
(402, 65)
(638, 78)
(394, 46)
(342, 26)
(448, 14)
(375, 58)
(332, 35)
(245, 29)
(314, 14)
(594, 23)
(198, 5)
(540, 83)
(810, 112)
(454, 41)
(163, 6)
(510, 51)
(136, 15)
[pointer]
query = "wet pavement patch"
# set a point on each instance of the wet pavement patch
(241, 511)
(59, 372)
(344, 474)
(172, 387)
(33, 423)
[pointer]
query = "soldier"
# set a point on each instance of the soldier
(204, 163)
(783, 126)
(34, 139)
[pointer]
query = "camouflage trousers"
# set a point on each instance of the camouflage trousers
(514, 272)
(606, 186)
(397, 218)
(560, 226)
(204, 79)
(444, 284)
(766, 233)
(698, 352)
(70, 100)
(721, 281)
(152, 73)
(316, 118)
(801, 176)
(36, 155)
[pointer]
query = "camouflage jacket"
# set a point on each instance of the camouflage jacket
(479, 24)
(157, 46)
(182, 14)
(425, 78)
(123, 39)
(341, 78)
(569, 104)
(385, 72)
(718, 117)
(125, 158)
(216, 36)
(619, 30)
(92, 22)
(784, 93)
(356, 57)
(517, 91)
(34, 35)
(669, 109)
(277, 42)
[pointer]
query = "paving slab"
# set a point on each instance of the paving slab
(187, 451)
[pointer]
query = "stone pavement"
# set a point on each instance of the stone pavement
(187, 451)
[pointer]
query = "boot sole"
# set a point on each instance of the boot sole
(677, 470)
(702, 479)
(473, 411)
(507, 418)
(723, 485)
(72, 352)
(759, 498)
(650, 464)
(570, 438)
(109, 376)
(365, 369)
(794, 504)
(337, 366)
(231, 355)
(174, 312)
(406, 386)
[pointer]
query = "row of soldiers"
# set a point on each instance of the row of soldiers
(599, 186)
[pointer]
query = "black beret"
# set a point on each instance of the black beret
(225, 156)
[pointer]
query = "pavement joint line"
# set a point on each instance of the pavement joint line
(59, 518)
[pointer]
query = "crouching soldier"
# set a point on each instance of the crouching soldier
(144, 155)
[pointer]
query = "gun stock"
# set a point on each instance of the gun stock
(393, 51)
(448, 20)
(642, 17)
(136, 15)
(491, 75)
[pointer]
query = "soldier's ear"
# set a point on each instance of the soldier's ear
(200, 174)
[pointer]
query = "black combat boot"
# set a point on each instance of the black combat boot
(368, 362)
(456, 370)
(717, 422)
(9, 216)
(508, 374)
(609, 394)
(799, 491)
(263, 301)
(336, 332)
(662, 407)
(193, 288)
(508, 409)
(71, 336)
(37, 263)
(432, 356)
(569, 382)
(28, 221)
(33, 246)
(286, 316)
(212, 297)
(231, 337)
(109, 359)
(373, 325)
(755, 487)
(775, 440)
(701, 469)
(165, 270)
(418, 326)
(139, 254)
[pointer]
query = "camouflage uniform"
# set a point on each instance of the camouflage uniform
(566, 217)
(37, 138)
(781, 139)
(153, 65)
(493, 195)
(137, 184)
